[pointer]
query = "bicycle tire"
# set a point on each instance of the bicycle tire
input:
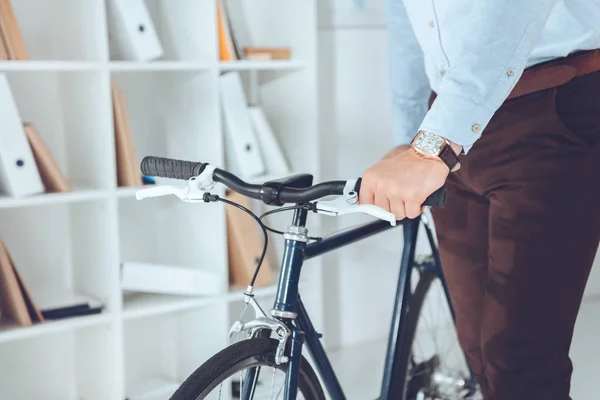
(237, 357)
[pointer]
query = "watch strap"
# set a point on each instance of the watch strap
(449, 157)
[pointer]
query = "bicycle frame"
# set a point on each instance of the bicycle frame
(288, 306)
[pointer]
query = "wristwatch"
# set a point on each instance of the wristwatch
(431, 145)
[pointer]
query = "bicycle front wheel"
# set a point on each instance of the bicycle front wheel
(221, 377)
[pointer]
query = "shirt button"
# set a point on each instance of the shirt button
(442, 72)
(431, 24)
(510, 72)
(476, 128)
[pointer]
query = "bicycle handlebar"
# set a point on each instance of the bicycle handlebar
(270, 194)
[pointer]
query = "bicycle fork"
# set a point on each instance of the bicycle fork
(285, 310)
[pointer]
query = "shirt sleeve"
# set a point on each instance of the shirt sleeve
(410, 88)
(494, 51)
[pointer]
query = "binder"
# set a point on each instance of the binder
(19, 175)
(52, 177)
(226, 45)
(127, 165)
(34, 312)
(275, 161)
(57, 304)
(3, 49)
(131, 31)
(168, 279)
(236, 19)
(11, 34)
(12, 302)
(268, 53)
(245, 244)
(240, 138)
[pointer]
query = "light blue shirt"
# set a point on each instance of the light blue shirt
(472, 53)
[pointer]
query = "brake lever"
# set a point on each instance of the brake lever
(193, 192)
(347, 203)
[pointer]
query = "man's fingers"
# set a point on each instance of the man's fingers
(366, 194)
(382, 201)
(398, 210)
(412, 210)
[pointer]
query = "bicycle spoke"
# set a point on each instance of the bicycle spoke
(241, 383)
(273, 384)
(280, 390)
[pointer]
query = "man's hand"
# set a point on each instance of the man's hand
(402, 181)
(396, 150)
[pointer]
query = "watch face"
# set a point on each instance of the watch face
(429, 143)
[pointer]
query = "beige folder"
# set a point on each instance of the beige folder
(128, 170)
(11, 34)
(12, 302)
(245, 243)
(53, 178)
(3, 49)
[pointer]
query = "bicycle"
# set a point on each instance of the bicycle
(277, 341)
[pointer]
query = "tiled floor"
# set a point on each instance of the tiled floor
(360, 368)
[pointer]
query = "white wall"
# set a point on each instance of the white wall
(360, 281)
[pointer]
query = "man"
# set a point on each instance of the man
(513, 131)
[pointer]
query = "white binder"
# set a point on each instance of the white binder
(131, 31)
(240, 137)
(275, 162)
(19, 175)
(168, 279)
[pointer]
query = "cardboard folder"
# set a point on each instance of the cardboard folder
(128, 173)
(245, 243)
(16, 303)
(11, 34)
(52, 177)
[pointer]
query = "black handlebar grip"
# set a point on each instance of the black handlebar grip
(436, 199)
(170, 168)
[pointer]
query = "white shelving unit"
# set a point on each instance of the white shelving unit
(76, 241)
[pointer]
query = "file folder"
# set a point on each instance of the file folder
(131, 31)
(168, 279)
(128, 173)
(11, 34)
(245, 245)
(243, 152)
(59, 303)
(275, 161)
(19, 175)
(13, 306)
(52, 177)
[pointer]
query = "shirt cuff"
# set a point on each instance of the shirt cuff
(458, 119)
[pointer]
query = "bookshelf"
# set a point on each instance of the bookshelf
(75, 241)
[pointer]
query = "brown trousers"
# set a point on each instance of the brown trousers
(518, 237)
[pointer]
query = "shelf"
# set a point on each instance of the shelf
(261, 65)
(116, 66)
(141, 305)
(142, 343)
(12, 332)
(53, 198)
(34, 65)
(158, 66)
